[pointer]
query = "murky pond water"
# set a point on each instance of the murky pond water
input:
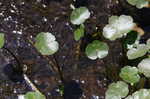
(22, 20)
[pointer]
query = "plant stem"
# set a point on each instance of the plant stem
(59, 69)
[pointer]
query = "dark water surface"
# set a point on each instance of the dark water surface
(22, 20)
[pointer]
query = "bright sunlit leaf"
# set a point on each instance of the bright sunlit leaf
(138, 51)
(117, 90)
(144, 67)
(118, 26)
(79, 15)
(139, 3)
(46, 43)
(141, 94)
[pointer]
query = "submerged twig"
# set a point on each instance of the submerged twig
(59, 69)
(29, 82)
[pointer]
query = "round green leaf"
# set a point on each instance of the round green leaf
(118, 26)
(34, 95)
(137, 52)
(144, 67)
(139, 3)
(130, 74)
(142, 3)
(141, 94)
(132, 2)
(2, 40)
(79, 15)
(97, 49)
(46, 43)
(117, 90)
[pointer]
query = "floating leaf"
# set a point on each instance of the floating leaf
(79, 15)
(34, 95)
(79, 32)
(21, 97)
(46, 43)
(97, 49)
(139, 3)
(141, 94)
(137, 52)
(130, 74)
(117, 90)
(118, 26)
(144, 67)
(148, 43)
(2, 40)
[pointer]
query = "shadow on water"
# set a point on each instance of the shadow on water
(12, 73)
(72, 90)
(79, 3)
(48, 1)
(143, 17)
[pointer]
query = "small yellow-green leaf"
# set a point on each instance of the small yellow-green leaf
(2, 40)
(34, 95)
(79, 33)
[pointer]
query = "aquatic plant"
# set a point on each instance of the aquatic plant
(130, 74)
(79, 15)
(117, 90)
(118, 27)
(141, 94)
(148, 43)
(46, 43)
(96, 49)
(34, 95)
(79, 32)
(2, 40)
(137, 51)
(144, 67)
(139, 3)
